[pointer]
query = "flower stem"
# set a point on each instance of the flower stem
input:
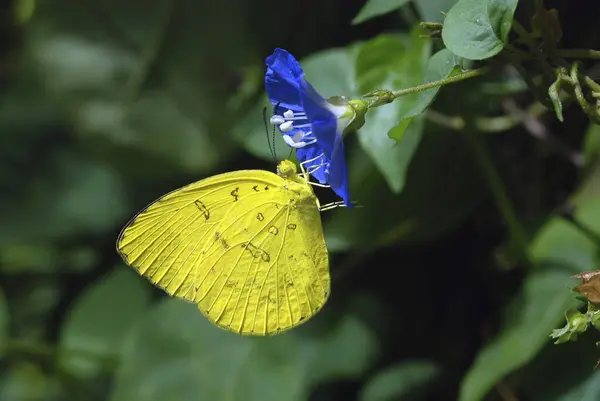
(503, 201)
(455, 78)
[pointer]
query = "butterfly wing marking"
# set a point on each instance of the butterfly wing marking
(161, 239)
(272, 280)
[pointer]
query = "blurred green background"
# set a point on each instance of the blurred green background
(107, 105)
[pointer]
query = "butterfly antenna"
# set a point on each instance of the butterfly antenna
(264, 113)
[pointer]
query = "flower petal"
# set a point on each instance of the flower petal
(338, 172)
(282, 80)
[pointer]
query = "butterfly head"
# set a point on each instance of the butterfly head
(287, 169)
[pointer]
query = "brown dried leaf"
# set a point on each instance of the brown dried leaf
(590, 285)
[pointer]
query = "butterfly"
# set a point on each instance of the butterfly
(246, 246)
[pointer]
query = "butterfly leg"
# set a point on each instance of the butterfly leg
(306, 172)
(314, 167)
(332, 205)
(316, 184)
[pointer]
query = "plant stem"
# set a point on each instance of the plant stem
(503, 201)
(455, 78)
(577, 53)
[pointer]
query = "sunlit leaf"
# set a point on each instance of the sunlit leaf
(478, 29)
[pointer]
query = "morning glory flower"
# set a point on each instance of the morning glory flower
(311, 124)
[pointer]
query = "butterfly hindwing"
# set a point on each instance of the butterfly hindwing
(270, 279)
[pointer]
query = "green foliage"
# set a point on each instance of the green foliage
(194, 360)
(109, 105)
(375, 68)
(478, 29)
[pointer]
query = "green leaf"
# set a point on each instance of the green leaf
(478, 29)
(533, 314)
(391, 62)
(96, 325)
(330, 72)
(375, 8)
(174, 353)
(433, 10)
(402, 381)
(440, 66)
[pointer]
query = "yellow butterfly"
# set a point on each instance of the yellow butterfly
(246, 246)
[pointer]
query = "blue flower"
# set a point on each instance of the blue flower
(308, 122)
